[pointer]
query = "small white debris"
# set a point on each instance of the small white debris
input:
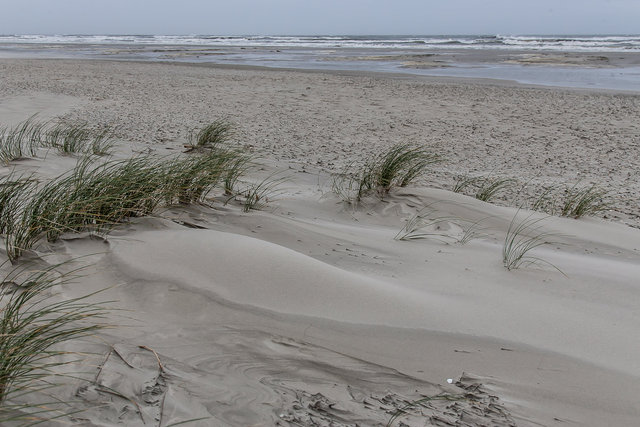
(450, 380)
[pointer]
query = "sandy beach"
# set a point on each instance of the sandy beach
(309, 311)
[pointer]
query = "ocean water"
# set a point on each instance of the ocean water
(596, 43)
(454, 56)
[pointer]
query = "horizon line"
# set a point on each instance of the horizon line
(332, 34)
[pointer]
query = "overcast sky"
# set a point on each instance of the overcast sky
(282, 17)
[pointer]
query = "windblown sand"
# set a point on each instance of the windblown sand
(309, 312)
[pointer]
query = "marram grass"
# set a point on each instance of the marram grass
(21, 141)
(190, 179)
(397, 167)
(256, 196)
(212, 136)
(78, 138)
(522, 237)
(579, 202)
(352, 187)
(89, 198)
(574, 202)
(464, 181)
(33, 323)
(428, 223)
(486, 187)
(95, 197)
(24, 139)
(236, 168)
(490, 187)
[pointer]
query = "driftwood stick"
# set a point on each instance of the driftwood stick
(104, 362)
(122, 357)
(155, 354)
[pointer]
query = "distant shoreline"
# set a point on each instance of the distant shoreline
(608, 70)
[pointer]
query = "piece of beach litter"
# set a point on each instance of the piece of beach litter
(450, 380)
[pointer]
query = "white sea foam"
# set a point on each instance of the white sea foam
(614, 43)
(334, 53)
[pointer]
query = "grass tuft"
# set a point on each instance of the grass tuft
(486, 188)
(521, 238)
(353, 187)
(24, 139)
(465, 181)
(573, 202)
(490, 187)
(78, 138)
(20, 141)
(33, 323)
(89, 198)
(428, 224)
(257, 196)
(96, 197)
(545, 201)
(425, 224)
(473, 231)
(398, 167)
(579, 202)
(236, 168)
(211, 136)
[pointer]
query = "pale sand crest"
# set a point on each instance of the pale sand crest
(309, 312)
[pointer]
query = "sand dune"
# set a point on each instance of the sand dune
(309, 312)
